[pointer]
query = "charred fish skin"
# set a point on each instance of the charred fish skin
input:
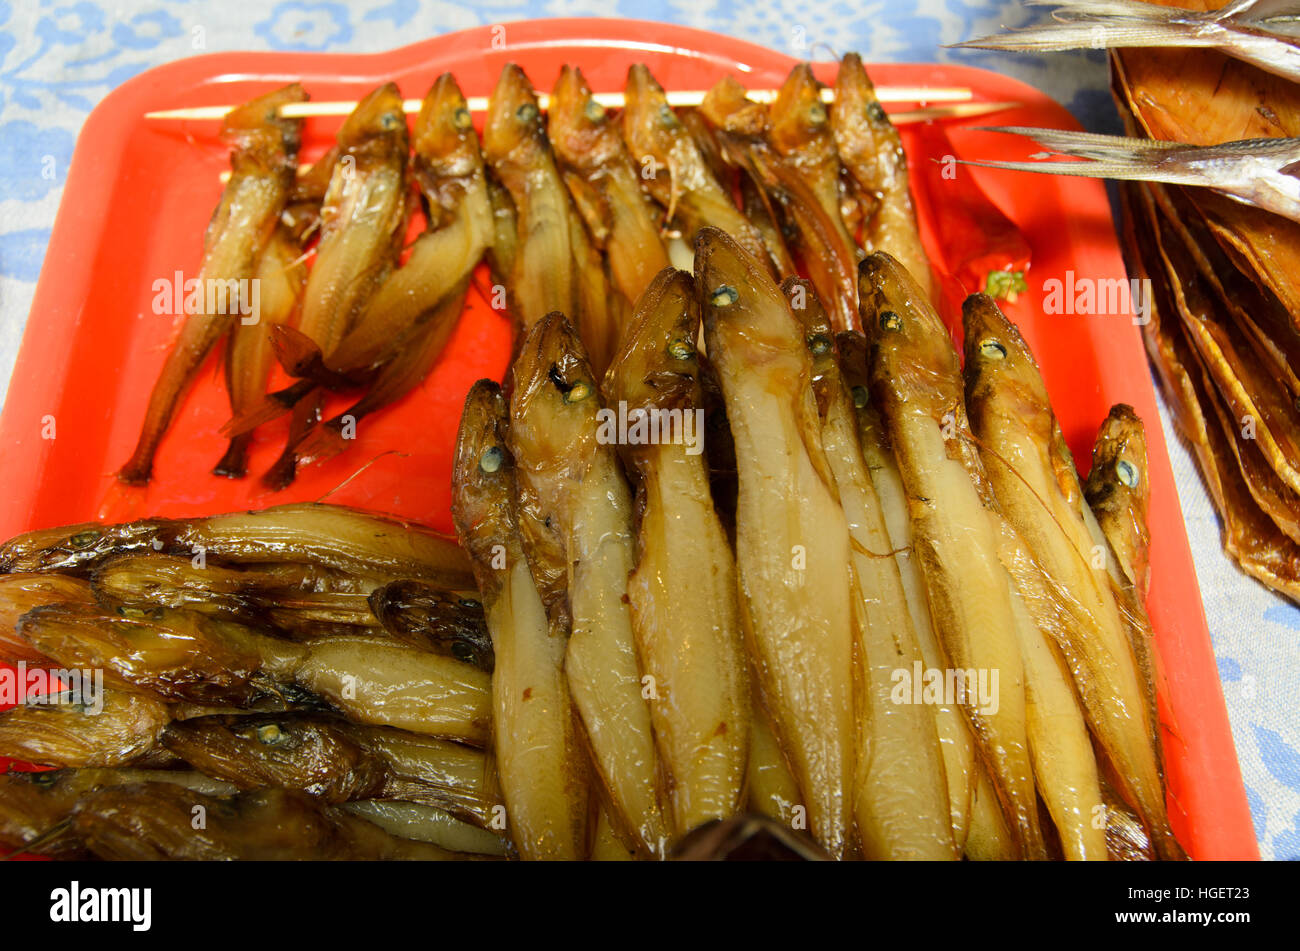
(674, 172)
(872, 154)
(263, 163)
(539, 756)
(901, 796)
(1039, 492)
(916, 381)
(682, 593)
(579, 489)
(794, 584)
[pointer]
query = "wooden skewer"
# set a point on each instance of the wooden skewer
(613, 100)
(961, 110)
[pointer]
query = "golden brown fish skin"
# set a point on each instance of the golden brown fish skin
(539, 755)
(916, 381)
(1039, 493)
(363, 224)
(795, 601)
(126, 730)
(23, 591)
(543, 275)
(154, 821)
(263, 161)
(1119, 493)
(312, 533)
(828, 253)
(872, 154)
(448, 169)
(674, 172)
(954, 733)
(588, 145)
(249, 356)
(682, 593)
(572, 482)
(901, 795)
(800, 132)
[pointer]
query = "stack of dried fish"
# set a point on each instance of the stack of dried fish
(571, 210)
(1224, 333)
(260, 666)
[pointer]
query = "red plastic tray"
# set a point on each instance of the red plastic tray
(139, 194)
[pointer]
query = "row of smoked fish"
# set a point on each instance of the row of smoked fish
(569, 208)
(1224, 333)
(636, 643)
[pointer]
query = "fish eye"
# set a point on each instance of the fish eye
(860, 396)
(667, 116)
(45, 779)
(526, 113)
(269, 734)
(817, 113)
(138, 613)
(680, 349)
(84, 539)
(876, 111)
(389, 120)
(595, 111)
(578, 392)
(471, 604)
(724, 296)
(1127, 472)
(461, 119)
(462, 651)
(890, 320)
(992, 349)
(819, 344)
(491, 459)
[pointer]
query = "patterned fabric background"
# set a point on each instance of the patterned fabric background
(57, 59)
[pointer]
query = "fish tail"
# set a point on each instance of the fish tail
(234, 464)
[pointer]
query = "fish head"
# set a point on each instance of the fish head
(483, 506)
(819, 337)
(650, 126)
(1119, 461)
(581, 130)
(997, 357)
(747, 322)
(449, 622)
(860, 125)
(446, 145)
(293, 751)
(727, 107)
(798, 115)
(116, 730)
(657, 365)
(73, 547)
(555, 404)
(851, 346)
(515, 127)
(257, 126)
(377, 125)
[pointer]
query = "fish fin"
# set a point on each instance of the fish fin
(1097, 34)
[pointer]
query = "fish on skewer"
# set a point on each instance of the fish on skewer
(1263, 33)
(263, 160)
(792, 539)
(916, 382)
(363, 222)
(596, 163)
(901, 795)
(1034, 479)
(574, 494)
(674, 172)
(281, 277)
(873, 156)
(826, 249)
(539, 757)
(682, 593)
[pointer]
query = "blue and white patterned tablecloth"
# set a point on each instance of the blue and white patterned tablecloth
(57, 59)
